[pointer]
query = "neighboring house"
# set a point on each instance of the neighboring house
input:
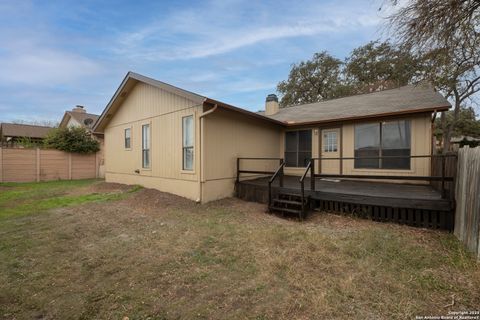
(11, 134)
(460, 141)
(79, 117)
(176, 141)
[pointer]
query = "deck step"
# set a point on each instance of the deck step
(290, 194)
(288, 202)
(297, 212)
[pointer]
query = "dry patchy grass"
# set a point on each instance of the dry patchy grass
(154, 255)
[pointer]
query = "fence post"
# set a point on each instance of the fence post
(1, 164)
(38, 164)
(69, 166)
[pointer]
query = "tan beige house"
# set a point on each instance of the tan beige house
(176, 141)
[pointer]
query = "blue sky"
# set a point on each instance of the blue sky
(57, 54)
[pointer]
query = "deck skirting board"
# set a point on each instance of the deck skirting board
(425, 213)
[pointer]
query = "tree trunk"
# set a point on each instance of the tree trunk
(447, 132)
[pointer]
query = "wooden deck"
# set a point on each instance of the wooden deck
(413, 204)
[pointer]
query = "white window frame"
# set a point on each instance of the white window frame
(125, 138)
(185, 147)
(330, 143)
(147, 148)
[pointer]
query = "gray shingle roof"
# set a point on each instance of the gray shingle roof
(407, 99)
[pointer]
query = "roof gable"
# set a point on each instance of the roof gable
(130, 80)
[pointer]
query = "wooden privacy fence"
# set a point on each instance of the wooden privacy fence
(448, 167)
(467, 213)
(27, 165)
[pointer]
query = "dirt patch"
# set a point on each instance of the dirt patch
(154, 200)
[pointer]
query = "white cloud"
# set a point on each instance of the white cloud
(212, 29)
(45, 67)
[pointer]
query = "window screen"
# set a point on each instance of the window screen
(127, 138)
(384, 139)
(188, 137)
(298, 148)
(146, 146)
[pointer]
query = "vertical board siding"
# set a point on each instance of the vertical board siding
(229, 135)
(28, 165)
(467, 193)
(163, 111)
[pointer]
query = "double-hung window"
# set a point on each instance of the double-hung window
(376, 142)
(187, 143)
(298, 148)
(128, 138)
(146, 146)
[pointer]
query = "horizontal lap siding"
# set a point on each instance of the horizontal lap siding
(53, 165)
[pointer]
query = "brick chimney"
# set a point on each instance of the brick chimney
(79, 109)
(271, 104)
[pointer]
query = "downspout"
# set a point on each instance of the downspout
(433, 149)
(433, 141)
(201, 116)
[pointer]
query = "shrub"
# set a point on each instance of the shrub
(72, 139)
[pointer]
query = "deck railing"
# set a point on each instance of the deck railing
(311, 167)
(277, 173)
(442, 178)
(259, 172)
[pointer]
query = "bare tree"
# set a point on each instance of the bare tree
(446, 35)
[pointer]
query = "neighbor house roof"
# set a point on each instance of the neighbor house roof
(404, 100)
(23, 130)
(80, 117)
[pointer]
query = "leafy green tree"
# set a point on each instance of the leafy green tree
(372, 67)
(27, 142)
(466, 124)
(72, 139)
(445, 33)
(312, 81)
(379, 65)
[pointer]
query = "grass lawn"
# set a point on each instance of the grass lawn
(91, 250)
